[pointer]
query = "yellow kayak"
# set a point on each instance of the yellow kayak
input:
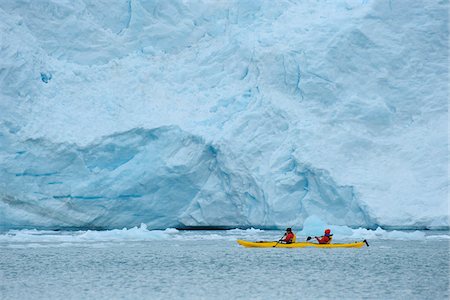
(265, 244)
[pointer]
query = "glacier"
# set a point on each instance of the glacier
(202, 114)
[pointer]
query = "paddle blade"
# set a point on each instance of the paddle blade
(308, 238)
(365, 241)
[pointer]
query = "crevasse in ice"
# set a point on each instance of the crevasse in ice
(223, 113)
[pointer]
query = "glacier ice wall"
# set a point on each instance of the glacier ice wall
(163, 177)
(338, 109)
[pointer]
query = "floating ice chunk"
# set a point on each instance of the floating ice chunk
(314, 226)
(439, 237)
(380, 233)
(116, 235)
(249, 231)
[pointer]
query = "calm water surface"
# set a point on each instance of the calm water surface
(218, 268)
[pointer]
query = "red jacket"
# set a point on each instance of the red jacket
(288, 238)
(323, 239)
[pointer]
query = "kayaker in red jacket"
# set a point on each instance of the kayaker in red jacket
(289, 237)
(326, 238)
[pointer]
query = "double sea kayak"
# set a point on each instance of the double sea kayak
(266, 244)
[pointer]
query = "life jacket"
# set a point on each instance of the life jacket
(326, 239)
(292, 240)
(329, 236)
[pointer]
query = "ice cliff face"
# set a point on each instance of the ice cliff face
(223, 113)
(163, 176)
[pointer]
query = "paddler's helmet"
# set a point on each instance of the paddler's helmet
(327, 231)
(289, 229)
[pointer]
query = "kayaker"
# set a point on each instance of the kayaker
(326, 238)
(289, 237)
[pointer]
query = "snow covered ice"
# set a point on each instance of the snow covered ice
(223, 113)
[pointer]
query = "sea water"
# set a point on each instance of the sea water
(142, 264)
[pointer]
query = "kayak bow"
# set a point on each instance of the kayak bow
(266, 244)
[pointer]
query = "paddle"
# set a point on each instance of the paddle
(365, 241)
(279, 241)
(309, 238)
